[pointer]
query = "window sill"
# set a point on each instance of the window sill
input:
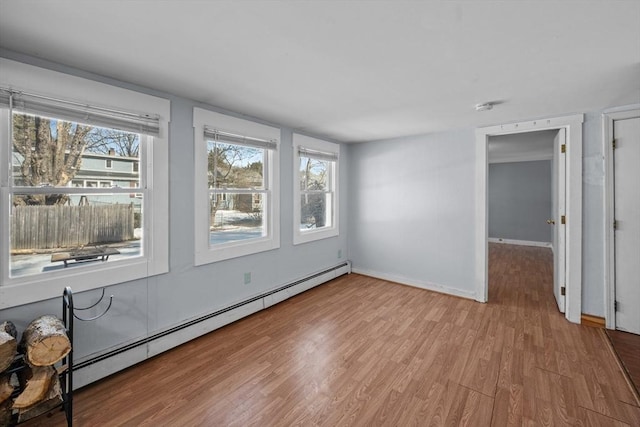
(311, 236)
(235, 250)
(30, 289)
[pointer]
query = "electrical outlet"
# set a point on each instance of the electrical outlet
(247, 278)
(339, 253)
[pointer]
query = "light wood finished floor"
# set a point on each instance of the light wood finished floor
(362, 351)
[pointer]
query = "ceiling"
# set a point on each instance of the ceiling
(521, 147)
(351, 70)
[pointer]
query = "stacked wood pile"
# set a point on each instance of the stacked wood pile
(8, 347)
(29, 381)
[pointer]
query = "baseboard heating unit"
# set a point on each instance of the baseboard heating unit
(95, 368)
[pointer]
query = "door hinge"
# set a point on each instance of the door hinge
(615, 306)
(563, 219)
(613, 143)
(563, 148)
(615, 224)
(563, 290)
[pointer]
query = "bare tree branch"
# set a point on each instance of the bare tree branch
(101, 140)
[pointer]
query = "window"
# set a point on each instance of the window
(59, 208)
(108, 162)
(51, 213)
(315, 189)
(236, 187)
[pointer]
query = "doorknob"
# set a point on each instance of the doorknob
(550, 221)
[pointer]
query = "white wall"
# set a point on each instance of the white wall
(592, 216)
(144, 307)
(426, 235)
(519, 198)
(521, 147)
(593, 245)
(412, 210)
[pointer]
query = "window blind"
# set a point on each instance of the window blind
(147, 124)
(320, 155)
(231, 138)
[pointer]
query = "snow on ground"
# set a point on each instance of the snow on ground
(234, 228)
(231, 218)
(27, 265)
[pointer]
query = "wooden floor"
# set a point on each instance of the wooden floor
(362, 351)
(627, 347)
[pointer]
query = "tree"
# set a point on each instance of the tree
(49, 154)
(314, 178)
(101, 140)
(235, 166)
(316, 206)
(231, 166)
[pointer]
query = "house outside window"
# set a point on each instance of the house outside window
(315, 189)
(237, 187)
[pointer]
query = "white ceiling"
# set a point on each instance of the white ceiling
(350, 70)
(521, 147)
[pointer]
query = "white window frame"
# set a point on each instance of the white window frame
(155, 259)
(314, 144)
(204, 253)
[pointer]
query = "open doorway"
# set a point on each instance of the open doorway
(572, 217)
(524, 206)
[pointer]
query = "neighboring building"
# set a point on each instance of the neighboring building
(99, 170)
(228, 200)
(107, 171)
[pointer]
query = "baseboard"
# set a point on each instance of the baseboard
(96, 367)
(593, 321)
(429, 286)
(519, 242)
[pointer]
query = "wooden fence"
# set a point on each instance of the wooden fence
(49, 227)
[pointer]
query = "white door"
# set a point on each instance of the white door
(559, 210)
(626, 175)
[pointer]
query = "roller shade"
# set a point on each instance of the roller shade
(231, 138)
(147, 124)
(320, 155)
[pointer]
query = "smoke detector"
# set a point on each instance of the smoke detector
(484, 107)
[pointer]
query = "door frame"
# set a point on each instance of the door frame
(608, 210)
(573, 127)
(559, 203)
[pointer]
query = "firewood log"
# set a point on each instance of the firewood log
(5, 413)
(37, 387)
(51, 400)
(5, 388)
(45, 341)
(8, 346)
(9, 328)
